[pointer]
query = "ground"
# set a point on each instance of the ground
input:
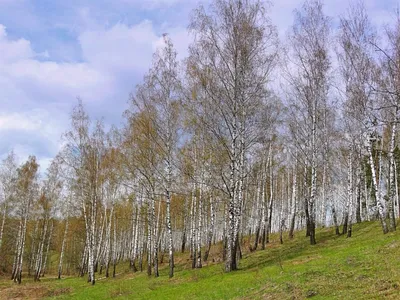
(365, 266)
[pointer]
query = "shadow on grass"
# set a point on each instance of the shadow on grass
(276, 253)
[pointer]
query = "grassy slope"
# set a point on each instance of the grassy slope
(366, 266)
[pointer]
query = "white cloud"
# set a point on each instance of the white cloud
(60, 82)
(11, 51)
(17, 121)
(120, 47)
(32, 132)
(55, 81)
(153, 4)
(34, 94)
(37, 94)
(126, 48)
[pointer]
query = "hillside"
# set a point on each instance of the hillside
(366, 266)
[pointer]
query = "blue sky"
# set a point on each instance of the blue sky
(53, 51)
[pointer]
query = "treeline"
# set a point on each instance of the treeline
(211, 151)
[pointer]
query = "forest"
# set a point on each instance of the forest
(247, 137)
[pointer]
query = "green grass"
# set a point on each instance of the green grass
(366, 266)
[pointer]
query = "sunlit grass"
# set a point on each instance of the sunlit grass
(366, 266)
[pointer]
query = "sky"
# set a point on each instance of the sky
(53, 51)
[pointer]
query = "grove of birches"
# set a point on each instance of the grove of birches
(248, 135)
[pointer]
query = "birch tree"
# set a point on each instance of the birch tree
(139, 136)
(357, 38)
(8, 178)
(231, 58)
(51, 192)
(26, 191)
(388, 88)
(83, 153)
(65, 235)
(160, 101)
(308, 77)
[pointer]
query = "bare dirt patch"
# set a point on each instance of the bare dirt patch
(31, 292)
(304, 260)
(23, 292)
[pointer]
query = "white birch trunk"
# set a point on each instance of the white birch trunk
(376, 189)
(60, 264)
(113, 217)
(200, 228)
(349, 203)
(3, 220)
(39, 256)
(16, 252)
(392, 179)
(22, 245)
(311, 202)
(135, 239)
(230, 256)
(108, 242)
(397, 210)
(211, 227)
(155, 234)
(168, 219)
(293, 204)
(100, 246)
(149, 238)
(193, 226)
(47, 249)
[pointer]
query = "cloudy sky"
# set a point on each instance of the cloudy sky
(53, 51)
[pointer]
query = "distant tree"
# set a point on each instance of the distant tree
(49, 196)
(26, 194)
(8, 180)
